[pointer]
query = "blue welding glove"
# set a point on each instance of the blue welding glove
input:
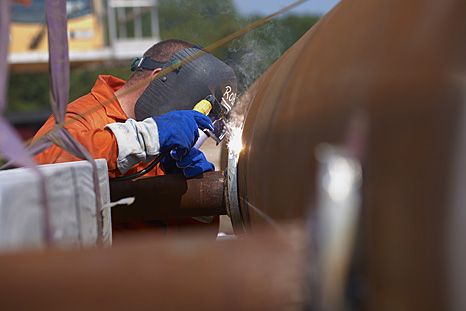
(178, 131)
(168, 165)
(191, 165)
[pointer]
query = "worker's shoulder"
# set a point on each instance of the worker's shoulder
(83, 104)
(86, 106)
(87, 111)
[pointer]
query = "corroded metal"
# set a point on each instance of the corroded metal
(169, 196)
(402, 64)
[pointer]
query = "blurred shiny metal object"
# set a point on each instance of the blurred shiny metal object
(456, 215)
(337, 219)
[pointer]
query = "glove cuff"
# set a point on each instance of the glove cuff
(137, 141)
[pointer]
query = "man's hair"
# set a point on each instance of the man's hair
(161, 52)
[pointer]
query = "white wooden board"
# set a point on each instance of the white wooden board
(71, 198)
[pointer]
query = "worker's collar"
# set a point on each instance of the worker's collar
(104, 91)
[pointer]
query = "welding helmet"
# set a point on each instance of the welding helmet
(193, 75)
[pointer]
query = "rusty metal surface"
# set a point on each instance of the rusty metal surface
(402, 65)
(188, 272)
(169, 196)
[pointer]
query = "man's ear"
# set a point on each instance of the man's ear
(155, 71)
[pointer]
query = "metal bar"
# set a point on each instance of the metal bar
(189, 272)
(154, 22)
(121, 24)
(169, 196)
(137, 22)
(5, 16)
(131, 16)
(132, 3)
(112, 33)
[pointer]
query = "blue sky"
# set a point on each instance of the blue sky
(269, 6)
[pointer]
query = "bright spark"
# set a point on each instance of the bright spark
(235, 145)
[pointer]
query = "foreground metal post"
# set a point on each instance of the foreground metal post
(188, 272)
(169, 196)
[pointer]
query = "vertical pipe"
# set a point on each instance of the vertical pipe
(121, 25)
(137, 22)
(111, 23)
(155, 31)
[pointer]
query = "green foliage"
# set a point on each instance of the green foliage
(83, 79)
(30, 92)
(200, 21)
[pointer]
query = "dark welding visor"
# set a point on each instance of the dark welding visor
(198, 74)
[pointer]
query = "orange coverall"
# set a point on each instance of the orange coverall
(89, 127)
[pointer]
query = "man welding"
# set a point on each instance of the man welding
(130, 125)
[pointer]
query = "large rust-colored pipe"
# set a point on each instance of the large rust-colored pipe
(400, 67)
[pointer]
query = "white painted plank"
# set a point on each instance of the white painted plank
(71, 199)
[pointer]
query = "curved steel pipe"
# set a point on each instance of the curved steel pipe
(400, 66)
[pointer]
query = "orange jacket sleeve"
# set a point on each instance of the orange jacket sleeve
(99, 142)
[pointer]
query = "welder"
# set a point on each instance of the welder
(130, 123)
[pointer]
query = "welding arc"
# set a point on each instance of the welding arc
(169, 69)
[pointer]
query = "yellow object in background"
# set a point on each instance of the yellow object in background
(28, 49)
(28, 31)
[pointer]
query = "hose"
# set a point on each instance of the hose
(142, 172)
